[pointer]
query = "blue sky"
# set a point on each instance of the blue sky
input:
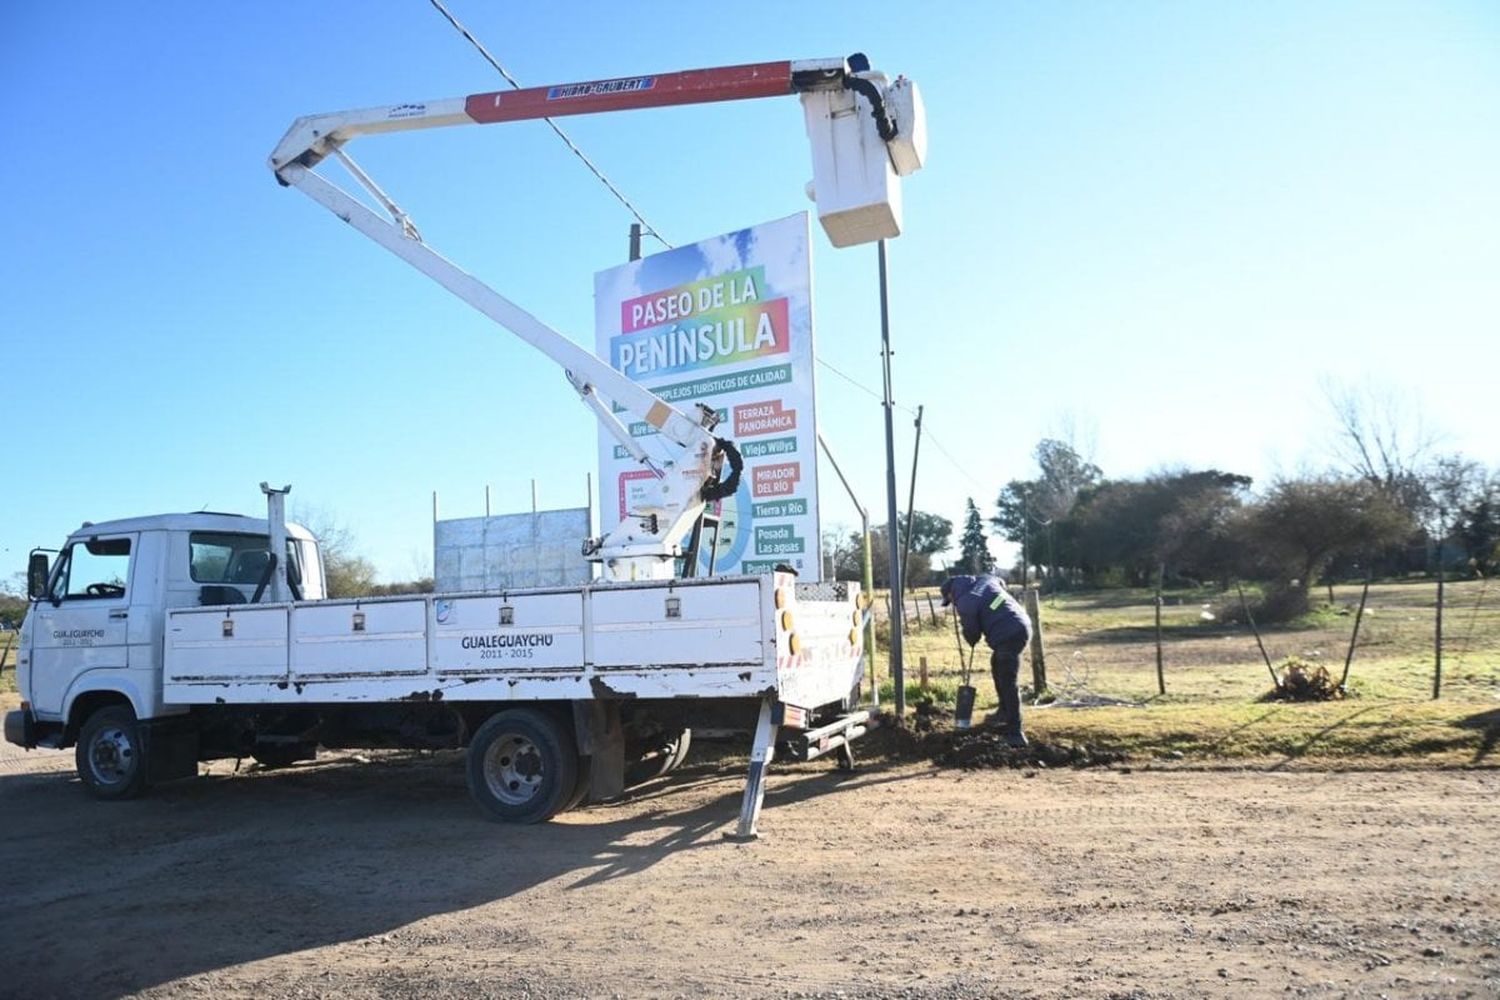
(1167, 220)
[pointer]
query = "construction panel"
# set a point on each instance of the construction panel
(511, 551)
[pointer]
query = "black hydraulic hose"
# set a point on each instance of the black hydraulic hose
(866, 89)
(265, 579)
(724, 488)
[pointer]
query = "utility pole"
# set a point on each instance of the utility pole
(868, 582)
(911, 512)
(898, 673)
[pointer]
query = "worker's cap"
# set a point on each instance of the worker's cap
(947, 591)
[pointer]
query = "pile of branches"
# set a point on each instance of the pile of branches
(1304, 681)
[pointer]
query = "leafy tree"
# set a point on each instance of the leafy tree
(421, 585)
(930, 533)
(1301, 524)
(1064, 474)
(1126, 529)
(1477, 526)
(1030, 510)
(1453, 484)
(1195, 538)
(12, 611)
(1014, 506)
(974, 550)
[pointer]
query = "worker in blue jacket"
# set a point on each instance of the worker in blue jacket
(986, 608)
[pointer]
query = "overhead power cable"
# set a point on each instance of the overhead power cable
(649, 229)
(852, 381)
(927, 431)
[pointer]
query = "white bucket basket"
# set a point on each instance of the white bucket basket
(856, 175)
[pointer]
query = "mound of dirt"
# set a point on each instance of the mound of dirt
(978, 748)
(932, 737)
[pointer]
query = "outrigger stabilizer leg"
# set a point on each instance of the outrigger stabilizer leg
(761, 754)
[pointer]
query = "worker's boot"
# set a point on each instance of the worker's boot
(1005, 667)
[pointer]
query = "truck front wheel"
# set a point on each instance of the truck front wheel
(522, 767)
(111, 754)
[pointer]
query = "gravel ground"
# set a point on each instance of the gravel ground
(377, 878)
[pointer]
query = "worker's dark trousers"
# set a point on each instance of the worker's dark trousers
(1005, 667)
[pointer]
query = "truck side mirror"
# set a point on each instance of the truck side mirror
(38, 568)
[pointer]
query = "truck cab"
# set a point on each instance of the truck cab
(94, 632)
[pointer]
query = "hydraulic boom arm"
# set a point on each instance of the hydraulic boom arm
(865, 132)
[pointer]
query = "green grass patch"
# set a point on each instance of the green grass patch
(1101, 648)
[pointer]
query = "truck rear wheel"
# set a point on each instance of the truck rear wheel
(111, 754)
(522, 766)
(664, 757)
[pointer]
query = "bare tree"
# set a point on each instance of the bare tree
(1080, 433)
(348, 574)
(1382, 438)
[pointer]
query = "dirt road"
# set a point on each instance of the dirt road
(379, 879)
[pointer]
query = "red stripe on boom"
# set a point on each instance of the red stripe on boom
(694, 86)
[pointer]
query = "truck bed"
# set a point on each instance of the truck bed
(721, 637)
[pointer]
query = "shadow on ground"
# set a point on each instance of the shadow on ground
(1488, 724)
(107, 899)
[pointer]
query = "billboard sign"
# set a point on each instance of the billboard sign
(726, 322)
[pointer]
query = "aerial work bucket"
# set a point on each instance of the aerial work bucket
(857, 170)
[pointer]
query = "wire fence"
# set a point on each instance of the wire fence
(1102, 647)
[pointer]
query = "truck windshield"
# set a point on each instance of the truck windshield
(221, 557)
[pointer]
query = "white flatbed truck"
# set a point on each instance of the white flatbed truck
(154, 643)
(146, 649)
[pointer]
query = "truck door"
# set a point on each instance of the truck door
(82, 622)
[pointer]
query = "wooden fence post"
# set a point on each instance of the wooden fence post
(1038, 659)
(1161, 677)
(922, 673)
(1437, 638)
(931, 610)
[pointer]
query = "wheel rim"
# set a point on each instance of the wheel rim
(112, 756)
(513, 769)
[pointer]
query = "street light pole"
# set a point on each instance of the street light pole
(898, 672)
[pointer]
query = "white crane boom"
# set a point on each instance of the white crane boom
(865, 131)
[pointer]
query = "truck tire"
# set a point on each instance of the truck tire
(522, 766)
(581, 786)
(111, 754)
(661, 759)
(679, 754)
